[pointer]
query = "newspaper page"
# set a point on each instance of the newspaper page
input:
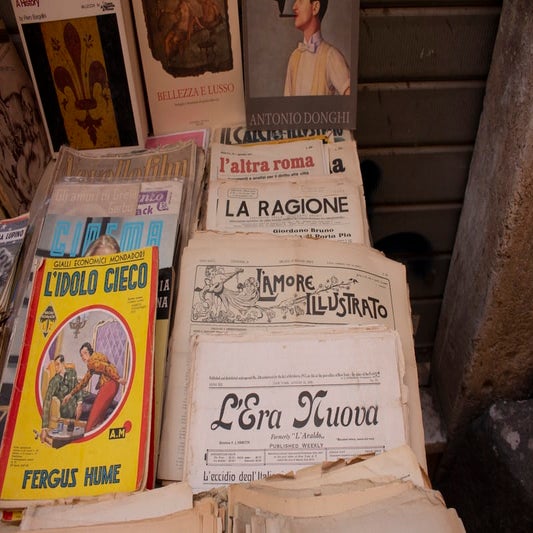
(398, 506)
(384, 492)
(344, 159)
(274, 403)
(244, 135)
(248, 283)
(321, 207)
(298, 158)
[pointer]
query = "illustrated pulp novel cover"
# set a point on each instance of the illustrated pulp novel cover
(79, 422)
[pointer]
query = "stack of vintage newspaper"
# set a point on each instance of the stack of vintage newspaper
(303, 188)
(252, 283)
(283, 244)
(382, 493)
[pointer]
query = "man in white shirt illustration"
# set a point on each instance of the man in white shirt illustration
(316, 67)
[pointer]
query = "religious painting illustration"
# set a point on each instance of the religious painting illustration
(189, 37)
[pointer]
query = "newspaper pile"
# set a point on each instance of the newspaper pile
(283, 244)
(381, 493)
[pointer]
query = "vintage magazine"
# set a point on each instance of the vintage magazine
(179, 160)
(183, 159)
(79, 421)
(243, 135)
(272, 403)
(12, 234)
(24, 150)
(191, 59)
(95, 219)
(250, 283)
(307, 75)
(321, 207)
(83, 62)
(200, 137)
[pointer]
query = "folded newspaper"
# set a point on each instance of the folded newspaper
(321, 207)
(240, 283)
(271, 403)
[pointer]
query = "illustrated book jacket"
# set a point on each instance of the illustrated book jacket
(80, 416)
(191, 59)
(83, 62)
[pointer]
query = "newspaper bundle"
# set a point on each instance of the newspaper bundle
(303, 188)
(238, 283)
(379, 493)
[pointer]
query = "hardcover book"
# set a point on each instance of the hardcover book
(306, 75)
(80, 416)
(191, 59)
(83, 61)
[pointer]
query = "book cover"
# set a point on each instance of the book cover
(84, 65)
(192, 64)
(300, 64)
(94, 219)
(79, 422)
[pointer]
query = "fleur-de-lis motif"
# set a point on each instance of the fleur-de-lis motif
(83, 80)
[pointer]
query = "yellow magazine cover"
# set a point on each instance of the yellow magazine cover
(79, 424)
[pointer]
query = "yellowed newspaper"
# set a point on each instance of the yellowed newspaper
(272, 403)
(320, 207)
(252, 283)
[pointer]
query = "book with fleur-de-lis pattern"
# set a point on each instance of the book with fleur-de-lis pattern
(85, 70)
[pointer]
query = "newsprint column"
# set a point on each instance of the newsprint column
(484, 344)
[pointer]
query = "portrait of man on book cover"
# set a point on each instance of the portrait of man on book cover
(309, 49)
(315, 67)
(189, 37)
